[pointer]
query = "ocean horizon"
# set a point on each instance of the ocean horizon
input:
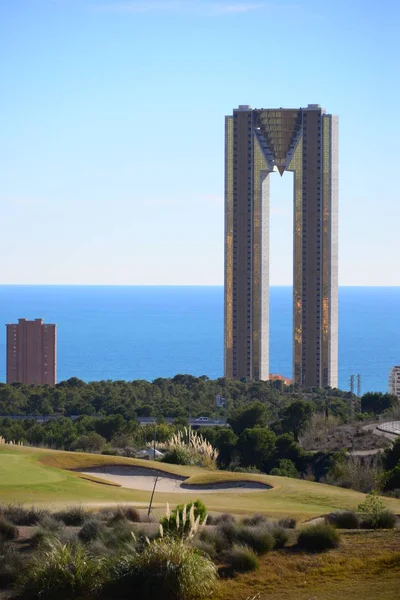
(123, 332)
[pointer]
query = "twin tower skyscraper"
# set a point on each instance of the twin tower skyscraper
(257, 143)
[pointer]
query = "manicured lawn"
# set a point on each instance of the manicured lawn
(41, 476)
(366, 567)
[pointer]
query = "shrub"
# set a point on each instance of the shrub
(391, 479)
(91, 530)
(50, 523)
(181, 521)
(196, 449)
(287, 523)
(215, 538)
(259, 539)
(220, 519)
(131, 513)
(344, 519)
(64, 572)
(241, 558)
(318, 538)
(167, 569)
(124, 513)
(179, 456)
(43, 538)
(285, 468)
(73, 516)
(8, 531)
(256, 520)
(11, 565)
(280, 536)
(20, 515)
(373, 513)
(205, 548)
(383, 519)
(118, 536)
(229, 531)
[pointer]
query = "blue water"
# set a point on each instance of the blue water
(107, 332)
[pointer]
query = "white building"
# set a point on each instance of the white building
(394, 381)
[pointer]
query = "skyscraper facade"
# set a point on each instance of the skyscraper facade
(31, 352)
(257, 143)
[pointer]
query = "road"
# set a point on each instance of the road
(142, 420)
(389, 430)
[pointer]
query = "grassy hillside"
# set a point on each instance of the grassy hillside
(40, 476)
(366, 566)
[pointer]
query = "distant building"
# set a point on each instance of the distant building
(31, 352)
(394, 381)
(285, 380)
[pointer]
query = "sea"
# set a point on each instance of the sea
(145, 332)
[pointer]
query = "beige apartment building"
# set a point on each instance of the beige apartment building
(31, 352)
(394, 381)
(259, 142)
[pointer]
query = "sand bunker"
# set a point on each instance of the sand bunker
(140, 478)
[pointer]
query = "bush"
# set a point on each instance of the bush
(8, 531)
(205, 548)
(182, 513)
(91, 530)
(64, 572)
(287, 523)
(11, 565)
(285, 468)
(179, 456)
(131, 513)
(43, 538)
(374, 515)
(256, 520)
(229, 532)
(220, 519)
(241, 558)
(118, 536)
(50, 523)
(19, 515)
(259, 539)
(318, 538)
(384, 519)
(73, 516)
(280, 536)
(344, 519)
(215, 538)
(167, 569)
(124, 513)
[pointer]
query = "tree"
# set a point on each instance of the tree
(225, 441)
(285, 468)
(255, 414)
(376, 402)
(295, 418)
(257, 447)
(391, 456)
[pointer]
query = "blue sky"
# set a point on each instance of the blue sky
(112, 123)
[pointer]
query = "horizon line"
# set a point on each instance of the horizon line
(219, 285)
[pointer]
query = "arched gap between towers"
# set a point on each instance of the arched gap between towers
(281, 273)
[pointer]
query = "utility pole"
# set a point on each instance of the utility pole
(352, 383)
(359, 386)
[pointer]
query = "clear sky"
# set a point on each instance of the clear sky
(112, 125)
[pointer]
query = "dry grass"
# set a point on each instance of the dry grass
(367, 566)
(199, 448)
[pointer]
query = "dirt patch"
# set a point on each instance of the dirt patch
(140, 478)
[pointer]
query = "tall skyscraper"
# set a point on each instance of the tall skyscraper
(31, 352)
(258, 142)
